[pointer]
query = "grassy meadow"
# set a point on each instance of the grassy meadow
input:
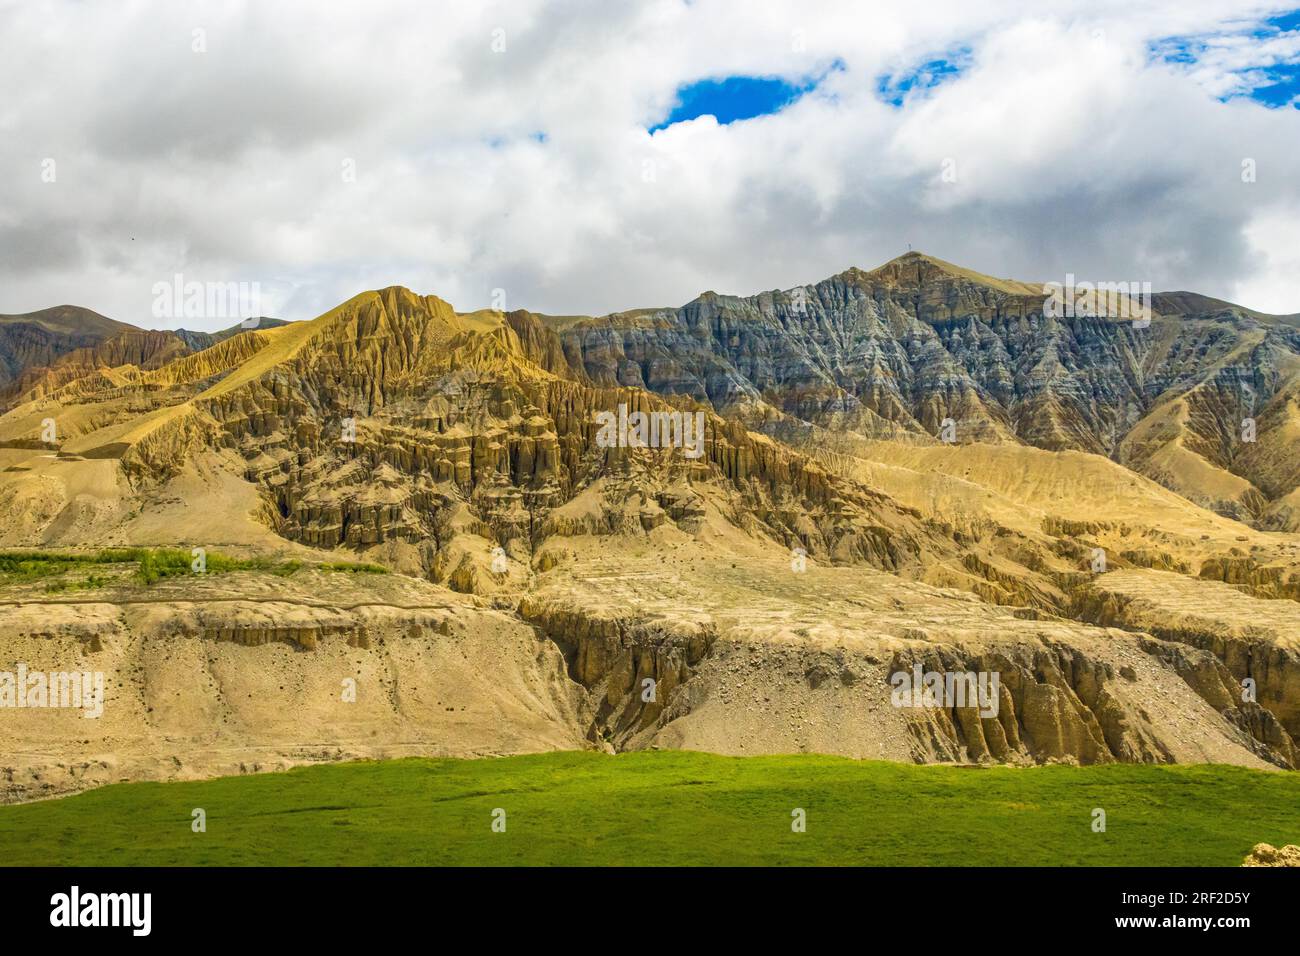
(667, 808)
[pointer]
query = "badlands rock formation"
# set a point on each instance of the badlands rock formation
(549, 590)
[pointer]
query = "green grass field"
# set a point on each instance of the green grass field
(139, 566)
(666, 807)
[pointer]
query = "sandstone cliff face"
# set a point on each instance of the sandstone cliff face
(201, 682)
(672, 662)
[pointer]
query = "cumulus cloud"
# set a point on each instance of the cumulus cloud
(321, 149)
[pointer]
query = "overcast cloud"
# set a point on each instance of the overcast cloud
(530, 169)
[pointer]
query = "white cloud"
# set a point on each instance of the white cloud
(1074, 151)
(1274, 239)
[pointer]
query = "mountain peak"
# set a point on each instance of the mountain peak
(916, 268)
(913, 255)
(71, 319)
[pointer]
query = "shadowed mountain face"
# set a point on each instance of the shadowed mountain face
(894, 352)
(41, 338)
(36, 371)
(197, 341)
(822, 539)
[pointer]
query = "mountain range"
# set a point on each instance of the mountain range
(913, 467)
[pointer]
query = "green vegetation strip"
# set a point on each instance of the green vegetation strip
(667, 807)
(152, 565)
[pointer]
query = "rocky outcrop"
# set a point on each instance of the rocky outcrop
(1265, 854)
(632, 668)
(1055, 705)
(1237, 652)
(1247, 574)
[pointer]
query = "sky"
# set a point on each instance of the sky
(583, 157)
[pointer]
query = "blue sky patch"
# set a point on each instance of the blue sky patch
(1284, 88)
(1271, 82)
(1285, 22)
(735, 98)
(894, 88)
